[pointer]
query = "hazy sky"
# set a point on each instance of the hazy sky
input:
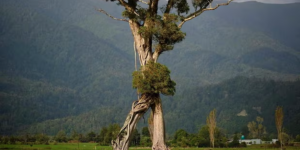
(269, 1)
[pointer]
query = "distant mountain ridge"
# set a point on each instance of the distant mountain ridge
(60, 61)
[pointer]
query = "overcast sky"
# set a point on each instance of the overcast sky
(269, 1)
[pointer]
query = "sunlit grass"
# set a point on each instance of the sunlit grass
(94, 146)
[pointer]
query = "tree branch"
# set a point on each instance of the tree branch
(154, 7)
(102, 11)
(123, 3)
(199, 12)
(169, 6)
(128, 7)
(144, 2)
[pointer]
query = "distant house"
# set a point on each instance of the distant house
(251, 141)
(274, 141)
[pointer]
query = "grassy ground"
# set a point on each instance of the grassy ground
(93, 146)
(60, 146)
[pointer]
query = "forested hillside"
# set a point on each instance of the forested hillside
(256, 97)
(69, 67)
(46, 60)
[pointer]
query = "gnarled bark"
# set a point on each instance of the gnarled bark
(156, 123)
(138, 110)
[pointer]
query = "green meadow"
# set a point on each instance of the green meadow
(59, 146)
(94, 146)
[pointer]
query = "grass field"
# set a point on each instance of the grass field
(93, 146)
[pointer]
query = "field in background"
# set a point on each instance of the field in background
(94, 146)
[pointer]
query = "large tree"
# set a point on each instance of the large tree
(154, 32)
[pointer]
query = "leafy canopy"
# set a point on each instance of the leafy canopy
(161, 28)
(153, 78)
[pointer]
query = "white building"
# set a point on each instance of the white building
(274, 141)
(251, 141)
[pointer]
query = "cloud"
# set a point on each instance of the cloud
(269, 1)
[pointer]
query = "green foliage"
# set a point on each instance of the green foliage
(108, 133)
(235, 142)
(136, 138)
(145, 131)
(146, 141)
(61, 136)
(201, 4)
(42, 139)
(243, 144)
(204, 137)
(182, 6)
(145, 138)
(74, 136)
(91, 136)
(181, 138)
(153, 78)
(297, 138)
(256, 129)
(57, 146)
(165, 32)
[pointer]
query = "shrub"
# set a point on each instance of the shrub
(243, 144)
(153, 78)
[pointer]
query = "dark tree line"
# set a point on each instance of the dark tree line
(180, 138)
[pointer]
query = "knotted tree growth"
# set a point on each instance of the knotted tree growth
(156, 28)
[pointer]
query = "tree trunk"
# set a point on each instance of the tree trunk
(158, 132)
(156, 122)
(138, 110)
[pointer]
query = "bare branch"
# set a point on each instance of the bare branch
(144, 2)
(128, 7)
(102, 11)
(199, 12)
(123, 3)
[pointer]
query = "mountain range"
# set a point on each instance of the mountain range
(66, 66)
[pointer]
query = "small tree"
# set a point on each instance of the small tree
(211, 123)
(145, 139)
(279, 122)
(41, 138)
(145, 132)
(107, 134)
(101, 136)
(256, 129)
(203, 137)
(181, 138)
(61, 136)
(91, 136)
(235, 142)
(136, 138)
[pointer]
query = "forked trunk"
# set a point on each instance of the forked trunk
(138, 110)
(156, 122)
